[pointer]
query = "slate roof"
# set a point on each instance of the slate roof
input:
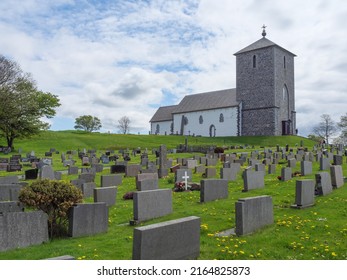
(207, 101)
(163, 114)
(260, 44)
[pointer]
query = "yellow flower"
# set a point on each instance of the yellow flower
(334, 254)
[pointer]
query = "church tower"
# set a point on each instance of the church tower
(265, 89)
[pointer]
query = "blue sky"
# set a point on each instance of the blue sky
(126, 58)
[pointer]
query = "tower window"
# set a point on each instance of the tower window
(284, 62)
(254, 61)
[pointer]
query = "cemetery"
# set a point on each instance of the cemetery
(228, 206)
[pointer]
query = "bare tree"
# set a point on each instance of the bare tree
(326, 128)
(124, 125)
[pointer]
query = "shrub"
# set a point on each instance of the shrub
(54, 198)
(219, 150)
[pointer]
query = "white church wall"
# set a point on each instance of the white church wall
(211, 124)
(161, 128)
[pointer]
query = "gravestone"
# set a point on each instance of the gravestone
(213, 189)
(210, 172)
(271, 168)
(98, 167)
(58, 175)
(87, 177)
(148, 184)
(192, 163)
(253, 213)
(306, 168)
(211, 162)
(337, 160)
(145, 176)
(253, 180)
(14, 167)
(199, 169)
(324, 163)
(23, 229)
(286, 174)
(88, 189)
(46, 172)
(9, 180)
(132, 170)
(163, 169)
(10, 192)
(11, 206)
(336, 174)
(323, 183)
(118, 168)
(106, 194)
(111, 180)
(173, 240)
(292, 163)
(85, 161)
(78, 183)
(180, 173)
(260, 167)
(304, 194)
(230, 174)
(152, 204)
(72, 170)
(88, 219)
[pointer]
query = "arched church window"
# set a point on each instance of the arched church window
(221, 118)
(185, 120)
(285, 93)
(254, 61)
(157, 129)
(201, 119)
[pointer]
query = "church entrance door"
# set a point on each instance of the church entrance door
(212, 131)
(285, 127)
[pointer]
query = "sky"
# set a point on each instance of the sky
(110, 58)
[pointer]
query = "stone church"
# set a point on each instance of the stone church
(263, 102)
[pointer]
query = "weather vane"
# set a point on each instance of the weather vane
(264, 32)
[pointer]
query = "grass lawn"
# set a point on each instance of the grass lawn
(318, 232)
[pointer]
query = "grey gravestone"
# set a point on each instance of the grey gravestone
(229, 174)
(338, 160)
(145, 176)
(172, 240)
(324, 163)
(72, 170)
(132, 170)
(260, 167)
(211, 162)
(323, 183)
(58, 175)
(111, 180)
(253, 213)
(10, 192)
(88, 219)
(199, 169)
(180, 173)
(213, 189)
(23, 229)
(253, 180)
(192, 163)
(152, 204)
(9, 180)
(292, 163)
(106, 194)
(98, 167)
(87, 177)
(304, 194)
(286, 173)
(88, 189)
(306, 168)
(64, 257)
(163, 168)
(271, 168)
(118, 168)
(336, 174)
(46, 172)
(147, 184)
(210, 172)
(11, 206)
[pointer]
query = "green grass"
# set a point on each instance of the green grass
(318, 232)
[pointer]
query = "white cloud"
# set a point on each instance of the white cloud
(116, 58)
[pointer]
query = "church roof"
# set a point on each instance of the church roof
(207, 101)
(260, 44)
(163, 114)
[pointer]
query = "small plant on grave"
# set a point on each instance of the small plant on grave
(179, 187)
(219, 150)
(54, 198)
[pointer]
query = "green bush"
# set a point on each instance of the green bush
(219, 150)
(54, 198)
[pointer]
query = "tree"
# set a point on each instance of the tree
(87, 123)
(22, 105)
(124, 124)
(326, 128)
(343, 125)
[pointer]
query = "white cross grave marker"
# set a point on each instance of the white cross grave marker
(185, 177)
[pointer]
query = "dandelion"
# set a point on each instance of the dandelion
(334, 254)
(242, 252)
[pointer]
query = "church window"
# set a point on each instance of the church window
(157, 129)
(254, 61)
(221, 118)
(285, 93)
(201, 120)
(185, 120)
(284, 62)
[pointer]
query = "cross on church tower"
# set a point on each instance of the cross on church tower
(264, 31)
